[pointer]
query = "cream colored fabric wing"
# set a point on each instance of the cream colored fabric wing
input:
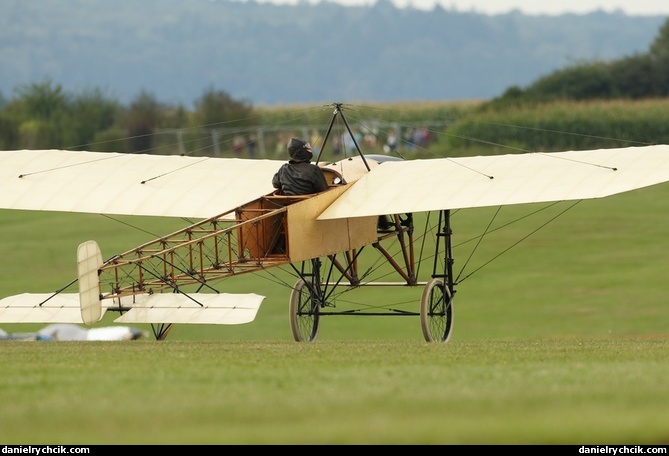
(223, 308)
(41, 308)
(453, 183)
(220, 309)
(130, 184)
(137, 184)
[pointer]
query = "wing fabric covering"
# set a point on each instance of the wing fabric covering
(41, 308)
(215, 308)
(179, 186)
(130, 184)
(454, 183)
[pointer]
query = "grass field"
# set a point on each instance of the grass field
(561, 339)
(584, 390)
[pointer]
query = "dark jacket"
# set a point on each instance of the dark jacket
(299, 176)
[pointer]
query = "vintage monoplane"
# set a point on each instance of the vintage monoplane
(247, 227)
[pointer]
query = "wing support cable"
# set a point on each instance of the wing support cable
(175, 287)
(543, 225)
(57, 292)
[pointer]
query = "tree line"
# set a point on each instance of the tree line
(639, 76)
(42, 115)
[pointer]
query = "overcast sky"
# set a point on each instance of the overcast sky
(632, 7)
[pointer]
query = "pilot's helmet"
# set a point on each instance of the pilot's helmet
(299, 149)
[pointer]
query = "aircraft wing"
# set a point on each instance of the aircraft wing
(130, 184)
(223, 308)
(180, 186)
(454, 183)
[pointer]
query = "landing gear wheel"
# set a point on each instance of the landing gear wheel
(303, 312)
(436, 311)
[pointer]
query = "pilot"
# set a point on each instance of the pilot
(299, 176)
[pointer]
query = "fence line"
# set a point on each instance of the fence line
(269, 141)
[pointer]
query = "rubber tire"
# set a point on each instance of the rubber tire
(436, 311)
(303, 319)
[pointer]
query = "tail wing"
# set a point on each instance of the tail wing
(89, 260)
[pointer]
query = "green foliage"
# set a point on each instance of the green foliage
(43, 100)
(9, 131)
(140, 122)
(91, 113)
(659, 50)
(561, 125)
(42, 115)
(591, 80)
(635, 77)
(43, 112)
(216, 107)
